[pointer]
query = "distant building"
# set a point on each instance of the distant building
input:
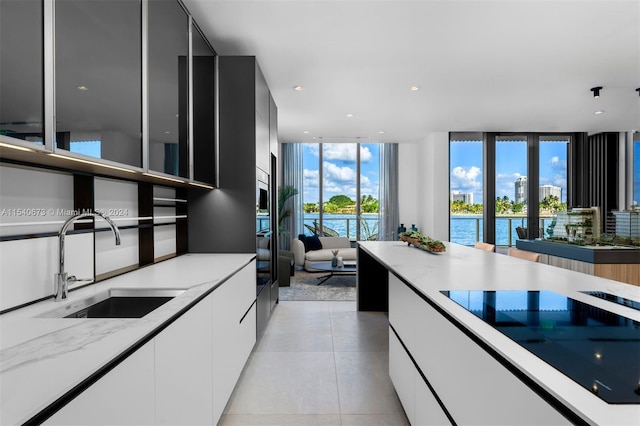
(546, 190)
(521, 190)
(466, 197)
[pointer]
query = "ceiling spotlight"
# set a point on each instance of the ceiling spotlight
(350, 115)
(596, 91)
(298, 88)
(598, 112)
(381, 132)
(83, 88)
(306, 132)
(414, 88)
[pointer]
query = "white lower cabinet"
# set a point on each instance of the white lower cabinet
(427, 410)
(184, 378)
(234, 333)
(186, 374)
(124, 396)
(402, 373)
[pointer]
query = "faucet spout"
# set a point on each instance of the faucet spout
(61, 281)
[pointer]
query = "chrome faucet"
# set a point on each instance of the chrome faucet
(61, 284)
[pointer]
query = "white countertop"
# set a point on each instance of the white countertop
(42, 358)
(466, 268)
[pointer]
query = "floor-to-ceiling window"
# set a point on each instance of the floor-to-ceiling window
(499, 182)
(636, 169)
(511, 187)
(341, 189)
(552, 191)
(465, 185)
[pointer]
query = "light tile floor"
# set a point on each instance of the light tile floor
(318, 363)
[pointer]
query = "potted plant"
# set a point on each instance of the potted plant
(284, 193)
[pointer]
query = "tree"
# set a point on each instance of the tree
(341, 201)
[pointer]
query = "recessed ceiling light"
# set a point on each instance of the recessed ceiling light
(598, 112)
(381, 132)
(350, 115)
(83, 88)
(414, 88)
(167, 132)
(298, 88)
(306, 132)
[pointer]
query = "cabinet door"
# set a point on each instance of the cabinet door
(234, 333)
(184, 380)
(124, 396)
(402, 372)
(402, 302)
(473, 386)
(427, 409)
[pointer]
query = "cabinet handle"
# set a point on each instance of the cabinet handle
(245, 314)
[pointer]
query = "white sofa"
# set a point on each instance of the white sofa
(306, 260)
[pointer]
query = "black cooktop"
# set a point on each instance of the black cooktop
(596, 348)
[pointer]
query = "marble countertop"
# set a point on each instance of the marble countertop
(43, 358)
(466, 268)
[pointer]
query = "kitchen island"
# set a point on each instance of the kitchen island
(620, 263)
(449, 366)
(176, 365)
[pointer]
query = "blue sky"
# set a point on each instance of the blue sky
(339, 170)
(511, 163)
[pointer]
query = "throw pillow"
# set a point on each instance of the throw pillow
(303, 238)
(314, 243)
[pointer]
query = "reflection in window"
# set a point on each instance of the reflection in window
(168, 88)
(98, 68)
(88, 148)
(21, 70)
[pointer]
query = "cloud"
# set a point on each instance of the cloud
(344, 152)
(466, 179)
(333, 172)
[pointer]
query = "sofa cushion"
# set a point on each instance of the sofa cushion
(325, 255)
(335, 242)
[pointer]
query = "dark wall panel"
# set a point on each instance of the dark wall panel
(594, 165)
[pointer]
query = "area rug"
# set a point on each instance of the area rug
(304, 286)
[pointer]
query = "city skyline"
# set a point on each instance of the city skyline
(466, 171)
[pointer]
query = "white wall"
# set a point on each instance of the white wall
(424, 185)
(34, 203)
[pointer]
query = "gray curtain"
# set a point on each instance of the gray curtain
(292, 174)
(389, 208)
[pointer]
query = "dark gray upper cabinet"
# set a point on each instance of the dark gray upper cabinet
(22, 70)
(98, 84)
(204, 110)
(168, 78)
(262, 121)
(245, 115)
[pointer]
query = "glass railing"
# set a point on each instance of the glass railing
(466, 230)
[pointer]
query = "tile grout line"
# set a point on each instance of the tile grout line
(335, 365)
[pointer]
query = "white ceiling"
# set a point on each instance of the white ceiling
(481, 65)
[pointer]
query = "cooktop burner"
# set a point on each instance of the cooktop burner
(596, 348)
